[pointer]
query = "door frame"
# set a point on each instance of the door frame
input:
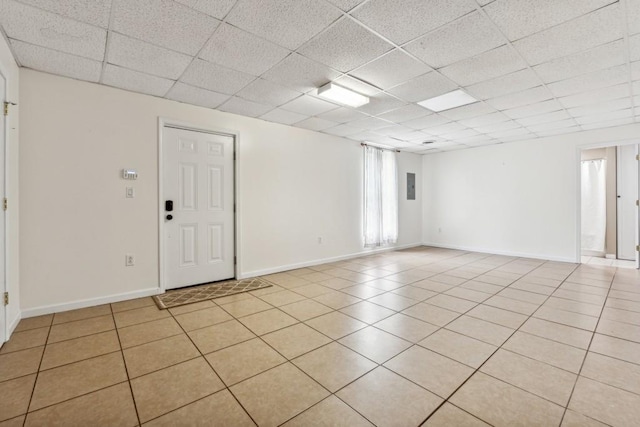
(578, 205)
(5, 148)
(167, 122)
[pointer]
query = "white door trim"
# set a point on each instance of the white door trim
(5, 286)
(166, 122)
(578, 204)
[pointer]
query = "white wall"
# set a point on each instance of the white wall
(295, 186)
(519, 198)
(10, 71)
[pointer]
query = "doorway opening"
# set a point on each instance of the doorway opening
(609, 226)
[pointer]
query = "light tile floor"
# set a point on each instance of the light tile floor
(416, 337)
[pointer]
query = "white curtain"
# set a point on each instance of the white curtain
(380, 197)
(594, 205)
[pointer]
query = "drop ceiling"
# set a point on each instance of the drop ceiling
(538, 67)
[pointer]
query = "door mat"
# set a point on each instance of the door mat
(199, 293)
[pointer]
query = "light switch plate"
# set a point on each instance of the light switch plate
(131, 193)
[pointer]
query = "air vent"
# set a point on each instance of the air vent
(427, 142)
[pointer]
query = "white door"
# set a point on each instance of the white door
(627, 195)
(3, 270)
(199, 229)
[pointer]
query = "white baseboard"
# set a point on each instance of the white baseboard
(56, 308)
(12, 325)
(279, 269)
(497, 252)
(611, 256)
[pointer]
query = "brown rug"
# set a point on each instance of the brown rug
(210, 291)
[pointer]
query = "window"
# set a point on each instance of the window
(380, 197)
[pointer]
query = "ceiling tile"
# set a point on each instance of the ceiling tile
(634, 48)
(518, 99)
(633, 16)
(397, 131)
(426, 122)
(405, 113)
(468, 111)
(217, 9)
(614, 115)
(601, 107)
(280, 20)
(520, 18)
(357, 85)
(95, 12)
(236, 49)
(475, 140)
(488, 65)
(404, 20)
(594, 80)
(594, 96)
(560, 131)
(215, 77)
(561, 124)
(365, 136)
(308, 105)
(266, 92)
(196, 96)
(636, 88)
(283, 116)
(509, 133)
(316, 124)
(51, 61)
(544, 118)
(300, 73)
(523, 137)
(588, 31)
(466, 37)
(342, 115)
(533, 109)
(135, 81)
(510, 83)
(605, 56)
(346, 5)
(391, 69)
(497, 127)
(424, 87)
(484, 120)
(46, 29)
(342, 130)
(164, 23)
(608, 123)
(243, 107)
(369, 123)
(445, 129)
(635, 70)
(381, 103)
(140, 56)
(345, 46)
(455, 136)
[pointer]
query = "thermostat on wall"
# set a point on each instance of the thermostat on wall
(129, 174)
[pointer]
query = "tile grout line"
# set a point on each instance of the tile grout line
(586, 353)
(483, 363)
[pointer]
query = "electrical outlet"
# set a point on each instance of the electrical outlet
(129, 260)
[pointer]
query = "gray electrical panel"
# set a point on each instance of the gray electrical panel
(411, 186)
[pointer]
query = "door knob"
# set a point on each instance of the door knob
(169, 217)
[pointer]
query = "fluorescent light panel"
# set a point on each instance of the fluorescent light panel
(341, 95)
(450, 100)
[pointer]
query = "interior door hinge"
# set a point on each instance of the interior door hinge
(6, 298)
(235, 260)
(5, 204)
(637, 156)
(637, 202)
(638, 248)
(6, 107)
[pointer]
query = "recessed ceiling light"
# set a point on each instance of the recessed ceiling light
(341, 95)
(450, 100)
